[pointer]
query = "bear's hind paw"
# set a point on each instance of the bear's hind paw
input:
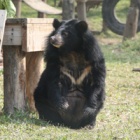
(89, 111)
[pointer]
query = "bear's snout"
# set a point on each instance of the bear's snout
(56, 41)
(52, 39)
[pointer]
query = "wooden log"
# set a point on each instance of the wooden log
(136, 69)
(81, 9)
(34, 68)
(68, 9)
(14, 79)
(132, 21)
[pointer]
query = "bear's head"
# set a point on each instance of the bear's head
(68, 35)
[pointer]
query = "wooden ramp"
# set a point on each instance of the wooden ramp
(3, 15)
(42, 7)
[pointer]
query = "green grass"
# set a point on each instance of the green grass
(120, 117)
(126, 52)
(122, 9)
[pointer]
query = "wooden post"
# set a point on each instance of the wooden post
(17, 4)
(14, 78)
(81, 9)
(104, 27)
(3, 15)
(68, 9)
(23, 45)
(34, 68)
(40, 14)
(132, 21)
(54, 3)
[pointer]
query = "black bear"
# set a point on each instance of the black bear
(71, 90)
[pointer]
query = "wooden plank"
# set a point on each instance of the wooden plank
(13, 35)
(42, 7)
(81, 9)
(34, 68)
(35, 37)
(81, 0)
(16, 21)
(3, 15)
(39, 20)
(14, 79)
(31, 33)
(136, 69)
(25, 21)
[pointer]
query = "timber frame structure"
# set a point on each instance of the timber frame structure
(23, 46)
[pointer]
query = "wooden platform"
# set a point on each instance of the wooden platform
(30, 33)
(23, 45)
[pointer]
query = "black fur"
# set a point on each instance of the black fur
(62, 96)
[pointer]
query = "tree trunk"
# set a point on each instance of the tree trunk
(68, 9)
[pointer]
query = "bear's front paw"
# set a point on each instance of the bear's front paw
(62, 104)
(89, 111)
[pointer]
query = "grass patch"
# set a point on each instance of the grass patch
(120, 117)
(123, 52)
(121, 10)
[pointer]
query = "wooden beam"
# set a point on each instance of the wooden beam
(31, 33)
(68, 9)
(35, 35)
(13, 35)
(14, 79)
(136, 69)
(3, 15)
(34, 68)
(81, 9)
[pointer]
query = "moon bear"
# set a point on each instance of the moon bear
(71, 90)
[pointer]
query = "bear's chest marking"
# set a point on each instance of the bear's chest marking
(78, 80)
(75, 67)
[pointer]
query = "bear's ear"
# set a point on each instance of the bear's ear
(82, 26)
(56, 23)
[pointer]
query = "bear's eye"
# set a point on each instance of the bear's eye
(65, 34)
